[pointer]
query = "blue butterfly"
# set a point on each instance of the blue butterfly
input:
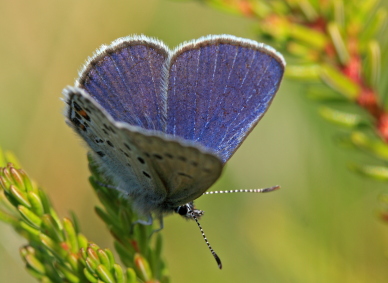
(163, 123)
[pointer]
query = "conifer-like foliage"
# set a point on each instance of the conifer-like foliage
(56, 250)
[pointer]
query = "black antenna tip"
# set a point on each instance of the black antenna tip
(218, 260)
(267, 190)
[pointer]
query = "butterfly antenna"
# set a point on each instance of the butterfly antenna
(265, 190)
(218, 260)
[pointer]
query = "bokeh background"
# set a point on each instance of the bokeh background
(322, 226)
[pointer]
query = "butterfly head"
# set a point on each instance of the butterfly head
(188, 211)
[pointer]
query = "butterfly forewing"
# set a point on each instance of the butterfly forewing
(115, 150)
(125, 78)
(219, 88)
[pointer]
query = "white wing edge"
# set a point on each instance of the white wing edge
(117, 42)
(248, 43)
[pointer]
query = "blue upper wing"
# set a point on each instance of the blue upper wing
(218, 89)
(210, 91)
(125, 78)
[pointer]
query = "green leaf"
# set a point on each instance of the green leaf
(118, 273)
(104, 259)
(339, 82)
(35, 274)
(372, 66)
(220, 5)
(7, 180)
(30, 217)
(68, 274)
(26, 180)
(377, 147)
(308, 10)
(303, 72)
(17, 178)
(378, 21)
(91, 265)
(45, 201)
(143, 233)
(32, 231)
(362, 12)
(92, 256)
(376, 172)
(156, 255)
(52, 246)
(54, 215)
(142, 267)
(105, 199)
(36, 203)
(82, 241)
(74, 263)
(340, 118)
(260, 9)
(35, 264)
(71, 235)
(91, 276)
(19, 196)
(339, 43)
(51, 228)
(131, 275)
(74, 221)
(125, 220)
(312, 38)
(126, 253)
(105, 274)
(103, 215)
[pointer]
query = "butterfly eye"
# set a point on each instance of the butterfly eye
(181, 210)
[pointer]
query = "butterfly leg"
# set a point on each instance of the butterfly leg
(161, 225)
(147, 222)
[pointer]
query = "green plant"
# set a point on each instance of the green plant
(56, 250)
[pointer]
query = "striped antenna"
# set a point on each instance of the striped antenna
(218, 260)
(265, 190)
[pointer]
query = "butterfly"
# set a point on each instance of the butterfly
(162, 123)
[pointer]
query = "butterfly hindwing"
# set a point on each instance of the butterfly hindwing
(185, 169)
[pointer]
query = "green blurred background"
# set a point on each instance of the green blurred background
(322, 226)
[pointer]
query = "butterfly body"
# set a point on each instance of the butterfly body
(163, 123)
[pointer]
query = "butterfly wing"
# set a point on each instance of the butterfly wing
(186, 169)
(125, 78)
(158, 171)
(218, 89)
